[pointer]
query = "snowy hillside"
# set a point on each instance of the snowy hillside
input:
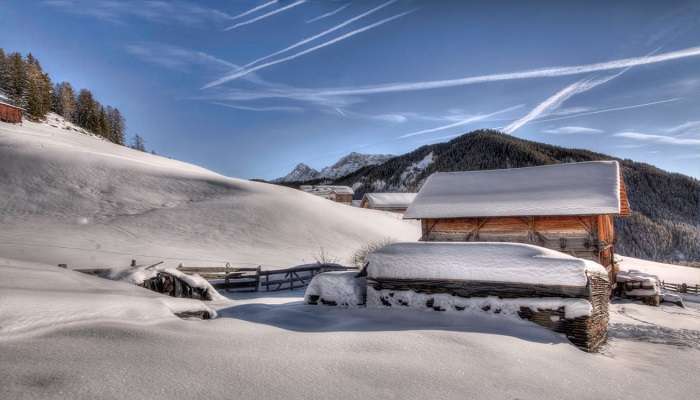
(346, 165)
(77, 199)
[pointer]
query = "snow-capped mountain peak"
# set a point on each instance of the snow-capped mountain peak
(300, 173)
(346, 165)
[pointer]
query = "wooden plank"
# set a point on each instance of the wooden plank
(479, 288)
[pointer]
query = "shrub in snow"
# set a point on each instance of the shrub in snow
(341, 288)
(359, 258)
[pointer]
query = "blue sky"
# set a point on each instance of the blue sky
(250, 88)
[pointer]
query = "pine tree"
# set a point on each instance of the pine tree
(116, 124)
(38, 89)
(138, 143)
(84, 110)
(16, 81)
(64, 101)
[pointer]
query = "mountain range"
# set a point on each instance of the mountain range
(346, 165)
(664, 225)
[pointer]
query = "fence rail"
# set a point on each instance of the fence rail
(681, 287)
(255, 279)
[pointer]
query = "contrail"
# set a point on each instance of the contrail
(271, 13)
(324, 33)
(535, 73)
(605, 110)
(273, 108)
(459, 123)
(239, 74)
(254, 9)
(555, 101)
(328, 14)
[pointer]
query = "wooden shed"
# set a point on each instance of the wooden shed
(565, 207)
(394, 202)
(10, 113)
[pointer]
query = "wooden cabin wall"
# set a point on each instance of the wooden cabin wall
(575, 235)
(10, 114)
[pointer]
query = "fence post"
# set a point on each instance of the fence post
(226, 278)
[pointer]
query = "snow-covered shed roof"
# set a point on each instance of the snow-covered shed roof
(388, 200)
(585, 188)
(480, 261)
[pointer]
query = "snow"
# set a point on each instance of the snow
(343, 288)
(345, 166)
(389, 200)
(413, 170)
(573, 308)
(35, 298)
(136, 276)
(70, 197)
(275, 347)
(73, 198)
(665, 272)
(564, 189)
(480, 261)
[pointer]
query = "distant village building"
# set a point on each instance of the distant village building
(8, 112)
(395, 202)
(339, 194)
(565, 207)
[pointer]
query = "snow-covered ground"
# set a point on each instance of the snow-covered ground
(665, 272)
(76, 199)
(72, 198)
(276, 347)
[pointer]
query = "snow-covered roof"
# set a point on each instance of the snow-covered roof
(389, 200)
(11, 105)
(480, 261)
(585, 188)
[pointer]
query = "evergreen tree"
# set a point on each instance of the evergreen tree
(85, 110)
(38, 89)
(117, 125)
(64, 101)
(16, 81)
(138, 143)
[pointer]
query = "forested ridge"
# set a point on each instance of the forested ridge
(24, 84)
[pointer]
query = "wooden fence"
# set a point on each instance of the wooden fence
(255, 279)
(681, 287)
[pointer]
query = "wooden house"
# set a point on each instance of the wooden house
(339, 194)
(565, 207)
(10, 113)
(395, 202)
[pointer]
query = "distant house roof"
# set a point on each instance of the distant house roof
(586, 188)
(389, 200)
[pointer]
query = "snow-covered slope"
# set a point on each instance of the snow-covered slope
(351, 163)
(346, 165)
(72, 198)
(666, 272)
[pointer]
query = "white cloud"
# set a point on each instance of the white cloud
(660, 139)
(266, 15)
(684, 127)
(570, 130)
(175, 12)
(604, 110)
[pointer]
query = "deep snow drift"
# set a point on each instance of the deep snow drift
(276, 347)
(72, 198)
